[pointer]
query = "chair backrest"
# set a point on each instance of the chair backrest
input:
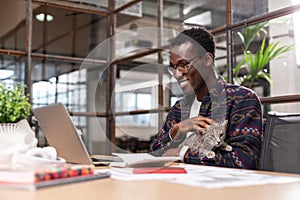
(281, 143)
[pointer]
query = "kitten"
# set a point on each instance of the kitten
(211, 138)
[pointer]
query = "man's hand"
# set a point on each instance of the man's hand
(195, 124)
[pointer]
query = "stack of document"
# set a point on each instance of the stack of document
(142, 160)
(21, 177)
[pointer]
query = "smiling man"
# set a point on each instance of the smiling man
(192, 64)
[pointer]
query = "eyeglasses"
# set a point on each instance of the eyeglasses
(183, 65)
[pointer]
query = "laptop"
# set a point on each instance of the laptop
(61, 133)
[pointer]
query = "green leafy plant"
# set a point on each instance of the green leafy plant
(257, 62)
(250, 32)
(14, 104)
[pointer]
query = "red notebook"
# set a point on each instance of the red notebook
(159, 170)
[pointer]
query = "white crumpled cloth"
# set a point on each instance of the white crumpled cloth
(18, 145)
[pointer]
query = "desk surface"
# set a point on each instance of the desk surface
(130, 190)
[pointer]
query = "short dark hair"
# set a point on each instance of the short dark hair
(201, 35)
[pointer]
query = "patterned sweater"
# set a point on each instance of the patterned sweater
(240, 106)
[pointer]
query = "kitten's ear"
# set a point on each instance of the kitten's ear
(224, 123)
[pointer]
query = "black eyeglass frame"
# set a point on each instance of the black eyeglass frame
(182, 65)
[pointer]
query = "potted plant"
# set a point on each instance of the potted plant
(16, 136)
(14, 103)
(256, 63)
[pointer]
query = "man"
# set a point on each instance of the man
(192, 62)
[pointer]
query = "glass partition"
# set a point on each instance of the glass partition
(12, 25)
(275, 38)
(243, 10)
(221, 54)
(67, 32)
(74, 62)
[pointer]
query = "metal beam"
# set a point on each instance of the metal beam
(28, 46)
(73, 6)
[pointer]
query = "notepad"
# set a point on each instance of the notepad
(135, 160)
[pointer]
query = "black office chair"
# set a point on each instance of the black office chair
(281, 144)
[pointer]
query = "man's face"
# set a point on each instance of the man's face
(189, 79)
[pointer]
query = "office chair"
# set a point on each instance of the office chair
(281, 143)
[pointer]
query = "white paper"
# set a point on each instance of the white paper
(218, 177)
(142, 160)
(206, 177)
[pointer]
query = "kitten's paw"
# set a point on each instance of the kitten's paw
(228, 148)
(210, 154)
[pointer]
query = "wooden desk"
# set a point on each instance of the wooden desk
(108, 189)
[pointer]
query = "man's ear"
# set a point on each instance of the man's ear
(208, 59)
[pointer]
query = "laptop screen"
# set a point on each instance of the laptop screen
(60, 132)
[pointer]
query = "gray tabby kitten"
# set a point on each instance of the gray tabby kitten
(211, 138)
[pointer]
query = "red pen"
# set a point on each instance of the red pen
(159, 170)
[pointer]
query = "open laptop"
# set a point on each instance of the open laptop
(61, 133)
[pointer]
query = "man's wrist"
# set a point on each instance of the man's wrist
(170, 135)
(173, 131)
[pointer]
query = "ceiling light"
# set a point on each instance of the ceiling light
(41, 17)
